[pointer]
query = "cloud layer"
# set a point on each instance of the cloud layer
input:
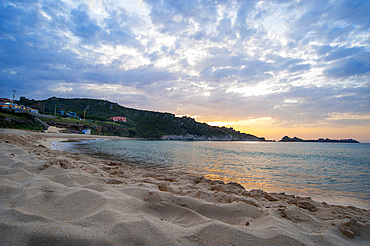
(294, 62)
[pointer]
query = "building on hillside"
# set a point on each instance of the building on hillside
(86, 131)
(9, 106)
(17, 108)
(70, 114)
(118, 119)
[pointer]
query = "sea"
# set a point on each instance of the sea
(337, 173)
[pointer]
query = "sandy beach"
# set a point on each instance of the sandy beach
(50, 197)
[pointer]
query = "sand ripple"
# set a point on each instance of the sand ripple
(56, 198)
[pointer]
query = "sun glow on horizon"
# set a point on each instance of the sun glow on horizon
(249, 122)
(265, 127)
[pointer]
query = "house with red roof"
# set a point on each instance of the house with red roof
(118, 119)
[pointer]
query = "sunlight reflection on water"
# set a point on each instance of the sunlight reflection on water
(337, 173)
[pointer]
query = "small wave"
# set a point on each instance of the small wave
(53, 145)
(92, 141)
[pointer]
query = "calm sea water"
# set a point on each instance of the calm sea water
(337, 173)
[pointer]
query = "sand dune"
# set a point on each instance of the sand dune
(57, 198)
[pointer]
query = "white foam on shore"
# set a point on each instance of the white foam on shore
(53, 145)
(69, 145)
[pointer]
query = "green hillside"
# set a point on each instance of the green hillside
(140, 123)
(19, 121)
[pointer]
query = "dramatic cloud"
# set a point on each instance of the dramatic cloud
(286, 62)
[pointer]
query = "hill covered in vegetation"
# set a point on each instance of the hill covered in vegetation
(140, 123)
(20, 121)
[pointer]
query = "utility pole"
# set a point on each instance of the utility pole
(84, 114)
(55, 110)
(14, 91)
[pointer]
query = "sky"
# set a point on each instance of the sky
(269, 68)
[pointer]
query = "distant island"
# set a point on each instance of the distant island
(321, 140)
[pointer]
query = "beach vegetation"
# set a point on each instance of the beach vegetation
(19, 121)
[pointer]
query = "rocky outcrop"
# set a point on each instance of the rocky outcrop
(320, 140)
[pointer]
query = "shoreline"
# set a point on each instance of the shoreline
(342, 198)
(320, 198)
(51, 190)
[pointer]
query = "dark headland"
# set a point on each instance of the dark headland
(320, 140)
